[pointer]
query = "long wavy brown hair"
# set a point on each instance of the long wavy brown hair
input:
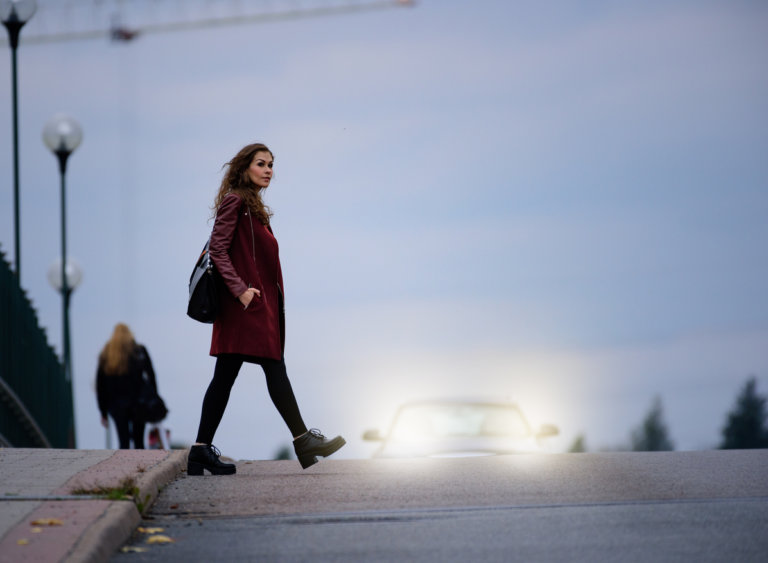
(117, 351)
(236, 180)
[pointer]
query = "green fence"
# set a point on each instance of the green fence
(35, 398)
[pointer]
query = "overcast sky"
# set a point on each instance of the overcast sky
(563, 205)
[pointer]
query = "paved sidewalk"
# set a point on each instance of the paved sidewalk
(41, 517)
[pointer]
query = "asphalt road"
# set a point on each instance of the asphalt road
(686, 506)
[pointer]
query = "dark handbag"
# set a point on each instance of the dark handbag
(150, 406)
(203, 303)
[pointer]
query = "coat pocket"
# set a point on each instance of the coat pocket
(257, 303)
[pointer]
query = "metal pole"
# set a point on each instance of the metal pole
(14, 27)
(16, 215)
(65, 291)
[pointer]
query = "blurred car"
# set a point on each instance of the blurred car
(459, 428)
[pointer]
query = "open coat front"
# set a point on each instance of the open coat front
(245, 254)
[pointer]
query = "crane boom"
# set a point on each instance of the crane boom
(124, 20)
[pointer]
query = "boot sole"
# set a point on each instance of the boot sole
(333, 446)
(307, 461)
(195, 469)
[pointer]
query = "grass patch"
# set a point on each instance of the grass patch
(126, 489)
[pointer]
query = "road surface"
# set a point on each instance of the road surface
(671, 506)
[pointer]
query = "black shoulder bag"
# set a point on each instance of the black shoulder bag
(203, 303)
(150, 407)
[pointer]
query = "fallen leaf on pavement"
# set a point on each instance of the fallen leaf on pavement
(159, 539)
(174, 506)
(47, 522)
(133, 549)
(22, 541)
(36, 530)
(150, 530)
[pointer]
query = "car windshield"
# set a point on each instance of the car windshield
(416, 422)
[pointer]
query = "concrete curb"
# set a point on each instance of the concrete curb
(105, 536)
(151, 482)
(115, 526)
(54, 510)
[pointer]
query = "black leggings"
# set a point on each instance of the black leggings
(129, 426)
(224, 375)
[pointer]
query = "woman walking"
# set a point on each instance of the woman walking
(120, 378)
(250, 326)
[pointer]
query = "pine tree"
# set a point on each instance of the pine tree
(745, 427)
(579, 445)
(283, 452)
(652, 435)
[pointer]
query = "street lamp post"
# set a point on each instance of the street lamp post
(66, 285)
(14, 14)
(62, 135)
(73, 275)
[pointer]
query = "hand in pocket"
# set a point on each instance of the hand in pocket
(248, 296)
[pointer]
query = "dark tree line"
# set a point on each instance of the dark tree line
(745, 425)
(652, 435)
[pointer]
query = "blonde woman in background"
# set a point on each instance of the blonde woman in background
(123, 364)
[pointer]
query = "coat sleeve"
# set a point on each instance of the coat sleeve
(221, 241)
(148, 368)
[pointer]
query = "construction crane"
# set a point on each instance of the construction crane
(126, 20)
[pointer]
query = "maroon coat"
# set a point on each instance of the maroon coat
(245, 254)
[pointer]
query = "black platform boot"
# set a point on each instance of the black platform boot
(312, 444)
(207, 457)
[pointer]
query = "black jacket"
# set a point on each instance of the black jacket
(120, 391)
